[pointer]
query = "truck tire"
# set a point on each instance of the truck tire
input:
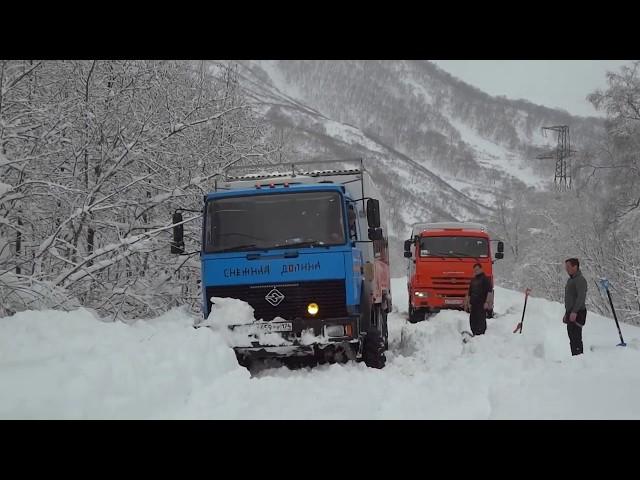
(373, 350)
(412, 314)
(379, 319)
(366, 308)
(385, 330)
(416, 315)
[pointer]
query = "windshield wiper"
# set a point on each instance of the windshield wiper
(308, 243)
(459, 255)
(468, 255)
(236, 248)
(439, 254)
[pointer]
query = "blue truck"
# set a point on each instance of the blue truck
(308, 250)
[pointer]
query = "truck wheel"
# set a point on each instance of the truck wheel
(412, 314)
(379, 319)
(385, 330)
(373, 354)
(416, 315)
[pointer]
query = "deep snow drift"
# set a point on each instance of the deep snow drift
(72, 365)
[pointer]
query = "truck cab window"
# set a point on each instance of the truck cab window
(352, 217)
(441, 246)
(285, 220)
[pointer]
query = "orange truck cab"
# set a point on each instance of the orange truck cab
(441, 258)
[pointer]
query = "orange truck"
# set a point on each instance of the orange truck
(441, 258)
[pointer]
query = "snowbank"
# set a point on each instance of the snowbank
(72, 365)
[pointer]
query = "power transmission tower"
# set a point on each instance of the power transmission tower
(562, 155)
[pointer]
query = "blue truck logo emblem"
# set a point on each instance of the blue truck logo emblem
(274, 297)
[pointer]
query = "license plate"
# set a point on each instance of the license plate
(453, 301)
(269, 327)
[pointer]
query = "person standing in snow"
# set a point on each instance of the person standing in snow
(478, 300)
(575, 296)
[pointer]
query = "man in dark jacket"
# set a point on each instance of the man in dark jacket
(479, 299)
(575, 296)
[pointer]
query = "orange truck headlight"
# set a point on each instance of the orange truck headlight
(313, 309)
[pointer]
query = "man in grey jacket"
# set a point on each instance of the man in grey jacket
(575, 296)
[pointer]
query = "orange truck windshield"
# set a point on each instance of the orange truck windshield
(461, 247)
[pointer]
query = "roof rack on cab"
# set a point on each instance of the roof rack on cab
(290, 173)
(422, 227)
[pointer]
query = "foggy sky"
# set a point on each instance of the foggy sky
(553, 83)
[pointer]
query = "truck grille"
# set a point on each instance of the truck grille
(329, 295)
(452, 286)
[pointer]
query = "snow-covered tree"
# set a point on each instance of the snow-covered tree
(598, 221)
(96, 156)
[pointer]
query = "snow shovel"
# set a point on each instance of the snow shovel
(604, 283)
(519, 326)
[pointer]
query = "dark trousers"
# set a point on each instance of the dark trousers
(575, 332)
(478, 319)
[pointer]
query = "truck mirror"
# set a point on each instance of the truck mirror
(407, 245)
(177, 245)
(499, 255)
(375, 234)
(373, 213)
(407, 255)
(500, 247)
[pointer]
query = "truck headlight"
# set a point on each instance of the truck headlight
(421, 294)
(313, 308)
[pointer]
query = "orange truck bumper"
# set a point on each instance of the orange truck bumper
(437, 301)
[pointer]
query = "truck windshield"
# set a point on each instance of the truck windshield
(473, 247)
(282, 220)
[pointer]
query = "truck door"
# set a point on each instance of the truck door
(356, 253)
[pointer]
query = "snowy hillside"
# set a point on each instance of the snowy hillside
(423, 112)
(72, 365)
(319, 137)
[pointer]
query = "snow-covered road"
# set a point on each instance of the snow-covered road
(71, 365)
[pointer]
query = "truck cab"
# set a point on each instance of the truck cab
(440, 265)
(309, 252)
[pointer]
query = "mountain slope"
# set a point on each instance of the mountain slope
(401, 101)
